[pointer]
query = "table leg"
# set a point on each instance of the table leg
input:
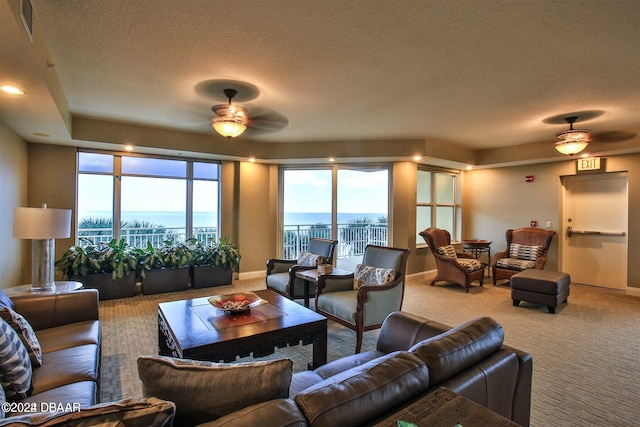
(319, 347)
(306, 293)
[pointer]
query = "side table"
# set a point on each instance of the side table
(444, 408)
(24, 291)
(312, 276)
(477, 247)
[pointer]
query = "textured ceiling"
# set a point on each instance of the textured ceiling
(482, 74)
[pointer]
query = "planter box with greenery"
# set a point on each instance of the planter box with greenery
(213, 263)
(165, 268)
(108, 267)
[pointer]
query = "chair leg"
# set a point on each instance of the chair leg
(359, 331)
(551, 309)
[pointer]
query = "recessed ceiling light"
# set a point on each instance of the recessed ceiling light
(469, 167)
(417, 157)
(128, 147)
(332, 159)
(252, 159)
(11, 90)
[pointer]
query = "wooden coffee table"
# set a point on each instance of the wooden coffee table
(194, 329)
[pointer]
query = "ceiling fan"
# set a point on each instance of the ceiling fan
(232, 120)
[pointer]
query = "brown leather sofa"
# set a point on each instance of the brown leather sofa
(67, 327)
(414, 356)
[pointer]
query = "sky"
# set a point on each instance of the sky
(359, 191)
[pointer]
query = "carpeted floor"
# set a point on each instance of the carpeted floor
(586, 357)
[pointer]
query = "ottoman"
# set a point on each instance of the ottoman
(550, 288)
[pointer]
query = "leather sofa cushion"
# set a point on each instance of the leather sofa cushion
(83, 393)
(67, 336)
(340, 365)
(364, 393)
(283, 411)
(302, 381)
(204, 391)
(457, 349)
(67, 366)
(137, 412)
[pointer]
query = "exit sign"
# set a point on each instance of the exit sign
(589, 164)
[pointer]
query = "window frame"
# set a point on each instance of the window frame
(117, 175)
(434, 204)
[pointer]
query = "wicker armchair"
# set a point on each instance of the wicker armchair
(457, 267)
(526, 248)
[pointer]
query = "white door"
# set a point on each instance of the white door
(594, 232)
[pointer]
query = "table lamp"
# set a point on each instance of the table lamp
(42, 226)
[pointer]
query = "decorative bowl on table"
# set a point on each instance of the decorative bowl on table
(241, 302)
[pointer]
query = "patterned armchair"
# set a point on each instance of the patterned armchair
(526, 248)
(281, 273)
(457, 267)
(362, 300)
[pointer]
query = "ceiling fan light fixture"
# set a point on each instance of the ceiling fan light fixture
(572, 141)
(229, 127)
(233, 119)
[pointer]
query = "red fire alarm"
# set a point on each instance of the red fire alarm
(528, 178)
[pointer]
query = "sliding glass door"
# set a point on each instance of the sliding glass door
(349, 204)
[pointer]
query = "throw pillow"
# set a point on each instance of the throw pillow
(5, 301)
(526, 252)
(15, 366)
(449, 251)
(366, 275)
(309, 260)
(205, 391)
(137, 412)
(26, 334)
(457, 349)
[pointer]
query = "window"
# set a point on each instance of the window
(146, 199)
(436, 202)
(346, 203)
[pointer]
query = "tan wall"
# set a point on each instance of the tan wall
(256, 216)
(495, 200)
(15, 264)
(52, 180)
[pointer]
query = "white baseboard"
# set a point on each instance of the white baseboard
(634, 292)
(252, 274)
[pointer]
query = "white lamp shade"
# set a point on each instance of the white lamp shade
(41, 223)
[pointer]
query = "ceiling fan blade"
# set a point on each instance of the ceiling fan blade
(613, 136)
(264, 120)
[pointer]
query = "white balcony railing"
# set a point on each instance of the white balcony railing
(138, 237)
(352, 237)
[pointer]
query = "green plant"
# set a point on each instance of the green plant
(168, 255)
(115, 257)
(226, 254)
(217, 254)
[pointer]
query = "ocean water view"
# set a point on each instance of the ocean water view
(208, 219)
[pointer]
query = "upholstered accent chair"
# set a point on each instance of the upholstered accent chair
(281, 273)
(361, 301)
(457, 267)
(526, 248)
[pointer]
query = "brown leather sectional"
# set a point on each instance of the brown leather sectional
(414, 356)
(68, 329)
